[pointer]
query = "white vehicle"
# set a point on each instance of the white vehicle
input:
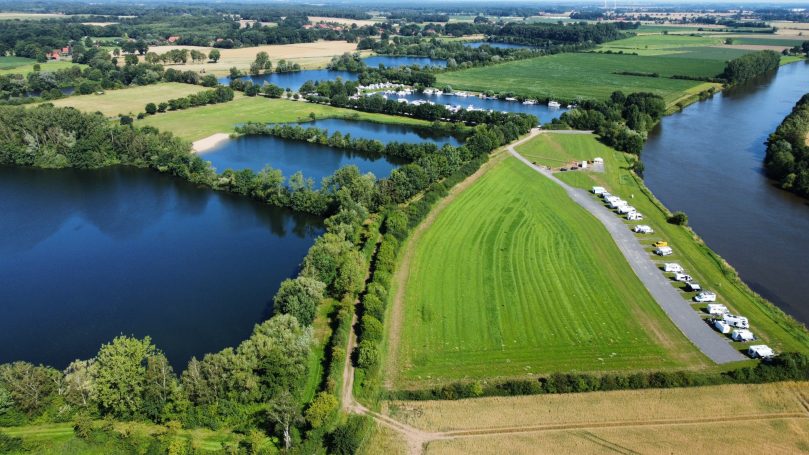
(678, 276)
(692, 286)
(740, 322)
(722, 327)
(634, 216)
(760, 351)
(742, 335)
(624, 209)
(617, 203)
(717, 309)
(642, 229)
(705, 296)
(599, 190)
(664, 251)
(606, 195)
(672, 267)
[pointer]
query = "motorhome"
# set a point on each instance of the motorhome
(679, 276)
(760, 351)
(672, 267)
(642, 229)
(717, 309)
(634, 216)
(692, 286)
(739, 322)
(705, 296)
(663, 251)
(722, 326)
(742, 335)
(599, 190)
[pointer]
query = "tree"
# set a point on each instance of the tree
(678, 218)
(151, 109)
(30, 386)
(214, 55)
(320, 409)
(79, 379)
(130, 59)
(121, 374)
(283, 410)
(300, 297)
(160, 387)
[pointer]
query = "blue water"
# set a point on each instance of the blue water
(389, 61)
(542, 111)
(477, 44)
(88, 255)
(294, 80)
(314, 160)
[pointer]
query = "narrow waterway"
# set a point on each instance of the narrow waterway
(708, 162)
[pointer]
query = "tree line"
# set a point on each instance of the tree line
(215, 96)
(750, 65)
(622, 122)
(787, 157)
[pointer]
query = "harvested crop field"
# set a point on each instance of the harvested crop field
(308, 55)
(514, 279)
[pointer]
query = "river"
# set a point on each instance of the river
(708, 162)
(88, 255)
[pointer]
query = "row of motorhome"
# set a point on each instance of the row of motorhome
(723, 321)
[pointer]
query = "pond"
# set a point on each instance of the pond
(88, 255)
(708, 162)
(314, 160)
(394, 61)
(542, 111)
(294, 80)
(476, 44)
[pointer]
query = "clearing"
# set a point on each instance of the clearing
(129, 100)
(514, 279)
(769, 323)
(201, 122)
(308, 55)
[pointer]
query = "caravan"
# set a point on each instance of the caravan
(722, 326)
(642, 229)
(663, 251)
(742, 335)
(705, 296)
(717, 309)
(672, 267)
(634, 216)
(760, 351)
(736, 321)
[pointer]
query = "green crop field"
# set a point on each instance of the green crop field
(514, 278)
(200, 122)
(14, 62)
(758, 41)
(768, 322)
(128, 100)
(572, 76)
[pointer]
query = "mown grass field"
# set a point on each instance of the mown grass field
(28, 66)
(768, 322)
(514, 279)
(129, 100)
(14, 62)
(200, 122)
(574, 76)
(765, 418)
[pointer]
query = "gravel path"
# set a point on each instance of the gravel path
(684, 317)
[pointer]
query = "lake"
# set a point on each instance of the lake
(394, 61)
(707, 161)
(88, 255)
(314, 160)
(476, 44)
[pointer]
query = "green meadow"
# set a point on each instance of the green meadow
(513, 278)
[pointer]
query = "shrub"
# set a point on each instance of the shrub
(321, 409)
(371, 328)
(678, 218)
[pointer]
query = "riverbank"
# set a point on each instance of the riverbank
(206, 144)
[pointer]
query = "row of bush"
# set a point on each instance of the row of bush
(785, 367)
(215, 96)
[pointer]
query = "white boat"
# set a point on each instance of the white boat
(511, 99)
(529, 102)
(402, 100)
(554, 104)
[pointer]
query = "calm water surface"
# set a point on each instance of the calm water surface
(389, 61)
(317, 161)
(88, 255)
(707, 161)
(294, 80)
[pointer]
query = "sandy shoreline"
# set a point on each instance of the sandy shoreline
(203, 145)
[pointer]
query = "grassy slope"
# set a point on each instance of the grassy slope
(767, 321)
(514, 278)
(583, 75)
(129, 100)
(200, 122)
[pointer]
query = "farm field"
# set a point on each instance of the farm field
(574, 76)
(200, 122)
(514, 279)
(17, 67)
(11, 16)
(768, 322)
(129, 100)
(308, 55)
(768, 418)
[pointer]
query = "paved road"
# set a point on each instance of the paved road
(684, 317)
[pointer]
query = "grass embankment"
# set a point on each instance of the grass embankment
(768, 322)
(129, 100)
(200, 122)
(767, 418)
(514, 279)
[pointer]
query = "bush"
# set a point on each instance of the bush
(346, 439)
(678, 218)
(371, 328)
(9, 444)
(321, 409)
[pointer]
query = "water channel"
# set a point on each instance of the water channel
(707, 161)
